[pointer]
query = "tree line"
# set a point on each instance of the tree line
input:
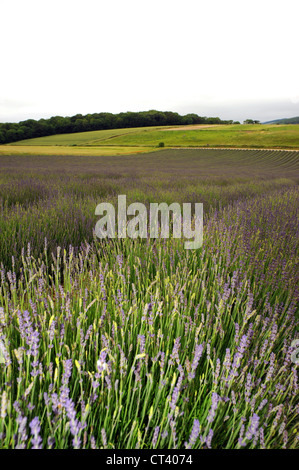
(12, 132)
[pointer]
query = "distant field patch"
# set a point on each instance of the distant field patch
(70, 150)
(192, 127)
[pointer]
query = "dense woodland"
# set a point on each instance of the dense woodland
(12, 132)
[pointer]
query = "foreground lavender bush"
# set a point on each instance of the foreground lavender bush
(129, 344)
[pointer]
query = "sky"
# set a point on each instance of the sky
(226, 58)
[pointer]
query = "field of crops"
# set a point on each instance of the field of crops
(85, 138)
(124, 344)
(64, 150)
(258, 136)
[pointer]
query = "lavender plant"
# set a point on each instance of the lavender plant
(124, 344)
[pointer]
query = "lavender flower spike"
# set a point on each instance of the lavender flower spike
(155, 437)
(101, 363)
(35, 430)
(212, 412)
(196, 359)
(253, 427)
(194, 434)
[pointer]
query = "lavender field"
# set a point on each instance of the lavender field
(124, 344)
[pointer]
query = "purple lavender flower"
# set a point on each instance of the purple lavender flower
(101, 363)
(173, 433)
(104, 438)
(35, 430)
(22, 433)
(262, 404)
(194, 434)
(253, 427)
(271, 367)
(174, 398)
(68, 364)
(241, 442)
(155, 436)
(209, 439)
(74, 423)
(248, 387)
(175, 351)
(197, 355)
(51, 333)
(237, 357)
(142, 343)
(212, 412)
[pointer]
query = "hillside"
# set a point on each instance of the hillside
(294, 120)
(140, 140)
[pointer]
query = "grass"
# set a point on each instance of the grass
(123, 344)
(250, 136)
(84, 138)
(260, 136)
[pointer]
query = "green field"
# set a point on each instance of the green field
(114, 141)
(218, 136)
(86, 138)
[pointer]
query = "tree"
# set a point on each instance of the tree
(251, 121)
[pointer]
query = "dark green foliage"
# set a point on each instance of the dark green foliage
(251, 121)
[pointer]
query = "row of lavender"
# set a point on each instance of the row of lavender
(129, 344)
(61, 208)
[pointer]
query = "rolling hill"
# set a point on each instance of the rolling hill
(142, 140)
(294, 120)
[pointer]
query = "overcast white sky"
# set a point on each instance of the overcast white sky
(228, 58)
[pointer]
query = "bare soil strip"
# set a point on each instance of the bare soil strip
(191, 127)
